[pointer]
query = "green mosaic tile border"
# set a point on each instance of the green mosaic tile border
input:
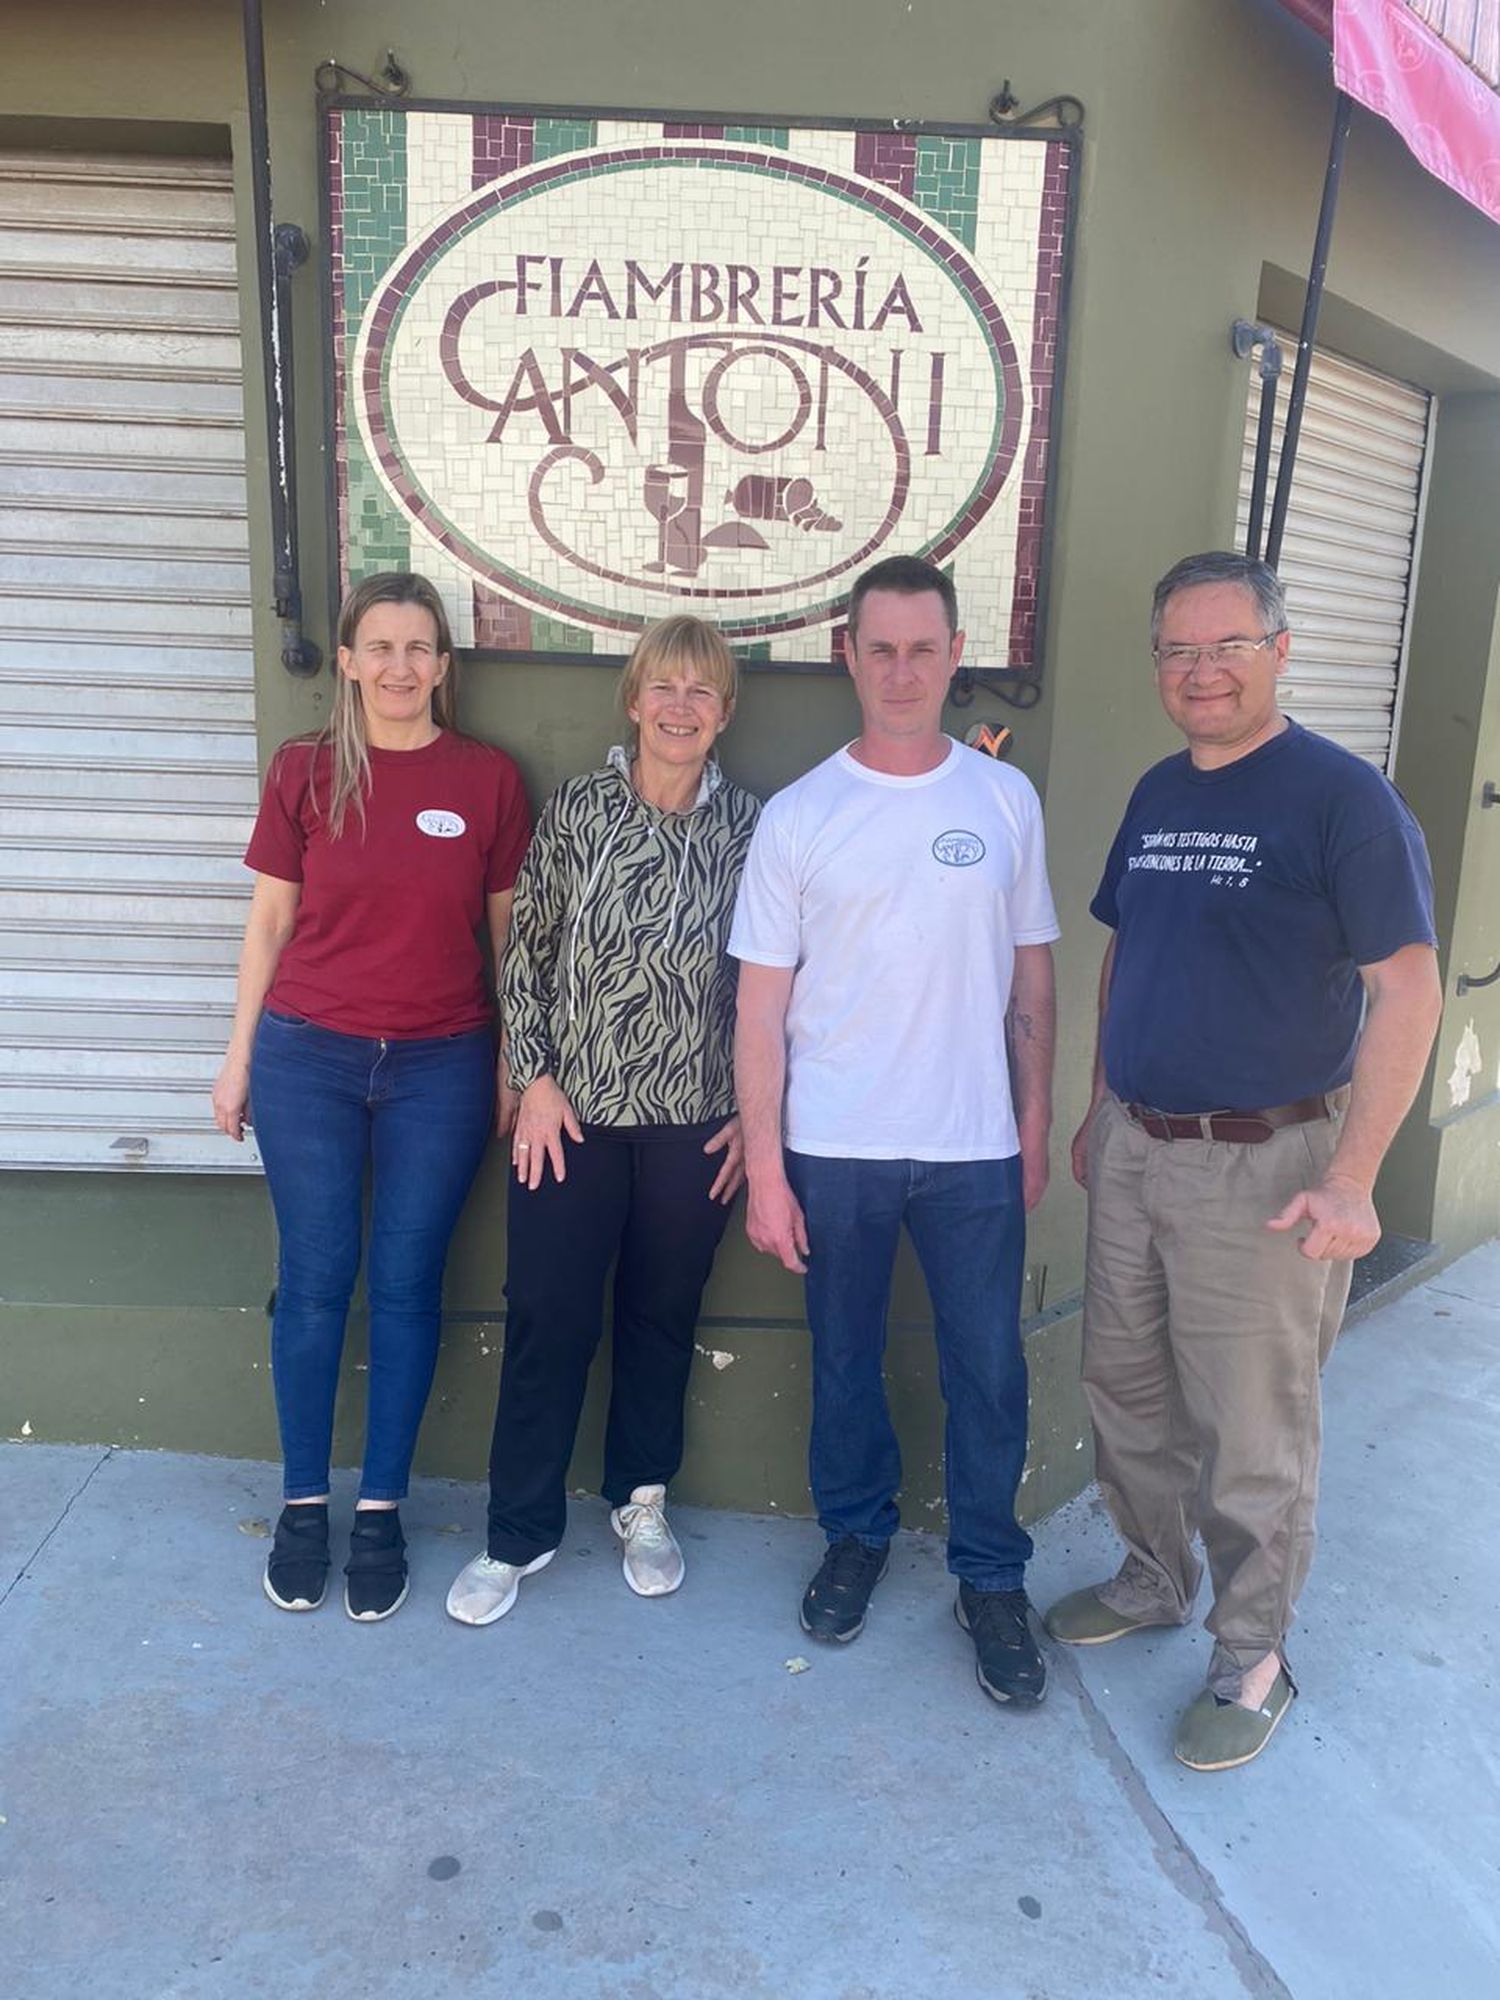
(946, 184)
(551, 136)
(373, 186)
(551, 635)
(758, 135)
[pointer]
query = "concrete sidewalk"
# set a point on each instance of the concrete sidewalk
(606, 1799)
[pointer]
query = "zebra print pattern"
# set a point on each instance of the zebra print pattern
(617, 982)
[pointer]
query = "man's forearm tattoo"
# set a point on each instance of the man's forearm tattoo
(1020, 1024)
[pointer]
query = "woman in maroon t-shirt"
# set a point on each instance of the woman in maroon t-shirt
(363, 1046)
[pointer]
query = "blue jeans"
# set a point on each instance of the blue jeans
(417, 1114)
(967, 1222)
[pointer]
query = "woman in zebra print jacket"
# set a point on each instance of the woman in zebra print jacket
(617, 1003)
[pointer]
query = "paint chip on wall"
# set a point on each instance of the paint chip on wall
(1467, 1064)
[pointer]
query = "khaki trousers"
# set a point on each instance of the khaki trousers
(1203, 1336)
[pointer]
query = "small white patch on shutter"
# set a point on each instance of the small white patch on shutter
(127, 690)
(1349, 552)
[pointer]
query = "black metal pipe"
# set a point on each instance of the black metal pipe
(274, 262)
(1244, 337)
(1342, 108)
(1266, 424)
(291, 249)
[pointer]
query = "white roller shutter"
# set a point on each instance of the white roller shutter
(1349, 552)
(127, 698)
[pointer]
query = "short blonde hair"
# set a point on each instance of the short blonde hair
(681, 642)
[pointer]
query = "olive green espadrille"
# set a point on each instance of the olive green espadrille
(1084, 1619)
(1218, 1735)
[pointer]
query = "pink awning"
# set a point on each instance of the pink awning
(1431, 68)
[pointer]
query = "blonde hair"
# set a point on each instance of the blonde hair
(681, 642)
(344, 732)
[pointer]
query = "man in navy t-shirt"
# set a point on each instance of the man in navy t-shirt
(1267, 1006)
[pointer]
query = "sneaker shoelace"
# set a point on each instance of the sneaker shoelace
(1000, 1615)
(645, 1524)
(847, 1562)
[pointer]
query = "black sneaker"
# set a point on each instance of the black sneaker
(375, 1582)
(296, 1577)
(1008, 1663)
(835, 1602)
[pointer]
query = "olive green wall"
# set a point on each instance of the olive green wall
(1449, 747)
(1201, 170)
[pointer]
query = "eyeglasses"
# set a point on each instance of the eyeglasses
(1222, 653)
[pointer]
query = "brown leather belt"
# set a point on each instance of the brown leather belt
(1237, 1128)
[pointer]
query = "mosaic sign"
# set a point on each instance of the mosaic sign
(592, 371)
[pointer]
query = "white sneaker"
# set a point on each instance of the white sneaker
(484, 1589)
(653, 1562)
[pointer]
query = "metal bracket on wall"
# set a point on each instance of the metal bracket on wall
(292, 249)
(1065, 111)
(331, 78)
(1018, 690)
(1490, 796)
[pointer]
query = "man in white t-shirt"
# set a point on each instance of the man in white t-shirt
(894, 922)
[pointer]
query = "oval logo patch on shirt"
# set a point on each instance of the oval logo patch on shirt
(958, 848)
(441, 825)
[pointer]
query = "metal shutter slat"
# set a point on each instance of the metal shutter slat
(179, 951)
(42, 573)
(23, 438)
(131, 306)
(124, 398)
(163, 998)
(81, 1146)
(24, 907)
(65, 350)
(104, 531)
